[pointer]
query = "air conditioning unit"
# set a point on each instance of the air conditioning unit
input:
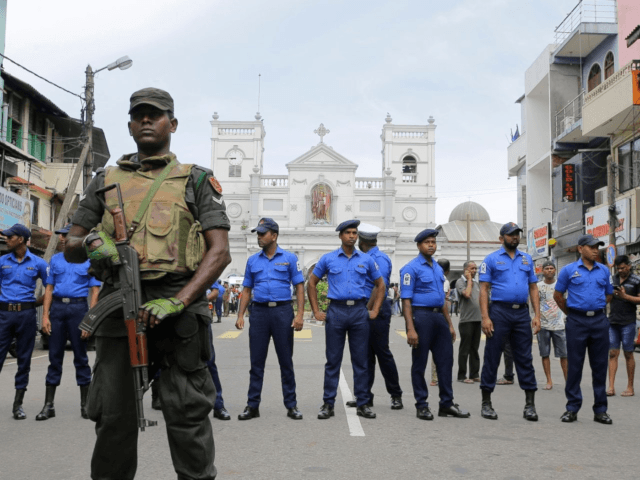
(567, 122)
(601, 196)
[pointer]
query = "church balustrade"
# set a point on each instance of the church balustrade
(274, 181)
(400, 134)
(235, 131)
(372, 183)
(409, 177)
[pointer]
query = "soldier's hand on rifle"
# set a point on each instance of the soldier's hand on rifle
(100, 246)
(155, 311)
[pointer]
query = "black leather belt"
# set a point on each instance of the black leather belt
(586, 313)
(349, 303)
(272, 304)
(70, 299)
(428, 309)
(17, 307)
(515, 306)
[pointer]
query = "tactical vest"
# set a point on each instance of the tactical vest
(168, 238)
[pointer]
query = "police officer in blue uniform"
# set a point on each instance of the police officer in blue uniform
(219, 410)
(269, 274)
(429, 327)
(215, 297)
(19, 271)
(347, 270)
(507, 274)
(589, 289)
(379, 326)
(65, 304)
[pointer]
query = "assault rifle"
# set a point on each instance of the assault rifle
(126, 298)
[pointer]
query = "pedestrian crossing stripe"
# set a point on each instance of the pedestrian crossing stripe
(304, 334)
(231, 334)
(402, 333)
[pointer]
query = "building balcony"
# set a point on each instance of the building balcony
(274, 181)
(584, 28)
(608, 108)
(370, 183)
(517, 154)
(568, 125)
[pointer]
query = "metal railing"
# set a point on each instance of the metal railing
(570, 114)
(586, 11)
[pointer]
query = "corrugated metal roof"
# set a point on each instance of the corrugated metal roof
(486, 231)
(23, 87)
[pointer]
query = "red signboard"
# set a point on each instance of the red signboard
(568, 183)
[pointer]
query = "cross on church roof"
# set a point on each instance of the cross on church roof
(321, 132)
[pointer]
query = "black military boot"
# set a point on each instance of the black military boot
(84, 392)
(48, 411)
(18, 412)
(155, 396)
(487, 409)
(529, 412)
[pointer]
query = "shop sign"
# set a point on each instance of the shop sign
(596, 222)
(568, 183)
(14, 209)
(538, 241)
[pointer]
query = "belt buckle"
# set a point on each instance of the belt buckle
(515, 305)
(272, 304)
(66, 300)
(15, 307)
(351, 302)
(590, 313)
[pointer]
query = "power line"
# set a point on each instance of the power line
(41, 77)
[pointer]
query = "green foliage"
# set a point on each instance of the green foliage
(323, 301)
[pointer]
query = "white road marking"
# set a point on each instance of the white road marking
(32, 358)
(355, 428)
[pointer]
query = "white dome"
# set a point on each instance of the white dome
(477, 212)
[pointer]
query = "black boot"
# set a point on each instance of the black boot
(155, 396)
(84, 392)
(18, 412)
(48, 411)
(487, 409)
(529, 407)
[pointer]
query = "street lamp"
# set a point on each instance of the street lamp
(122, 63)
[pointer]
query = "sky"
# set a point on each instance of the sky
(341, 63)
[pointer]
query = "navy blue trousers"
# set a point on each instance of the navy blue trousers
(587, 334)
(219, 307)
(433, 334)
(379, 348)
(211, 365)
(354, 320)
(513, 326)
(65, 319)
(266, 323)
(22, 326)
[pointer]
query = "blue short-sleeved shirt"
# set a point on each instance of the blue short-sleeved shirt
(220, 288)
(70, 280)
(18, 280)
(271, 278)
(347, 276)
(384, 265)
(422, 283)
(509, 278)
(587, 289)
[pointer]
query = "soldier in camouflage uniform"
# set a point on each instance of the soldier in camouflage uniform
(185, 219)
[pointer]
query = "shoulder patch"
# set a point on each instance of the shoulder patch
(483, 268)
(406, 280)
(215, 184)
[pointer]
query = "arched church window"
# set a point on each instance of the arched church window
(608, 65)
(409, 169)
(321, 201)
(595, 77)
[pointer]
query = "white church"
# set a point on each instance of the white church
(322, 189)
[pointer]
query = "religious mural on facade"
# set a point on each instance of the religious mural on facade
(321, 205)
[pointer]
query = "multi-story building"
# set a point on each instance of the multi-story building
(39, 148)
(577, 103)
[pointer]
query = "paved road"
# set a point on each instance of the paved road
(396, 445)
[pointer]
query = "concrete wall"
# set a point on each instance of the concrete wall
(628, 19)
(598, 55)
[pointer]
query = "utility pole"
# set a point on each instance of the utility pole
(611, 200)
(468, 238)
(88, 125)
